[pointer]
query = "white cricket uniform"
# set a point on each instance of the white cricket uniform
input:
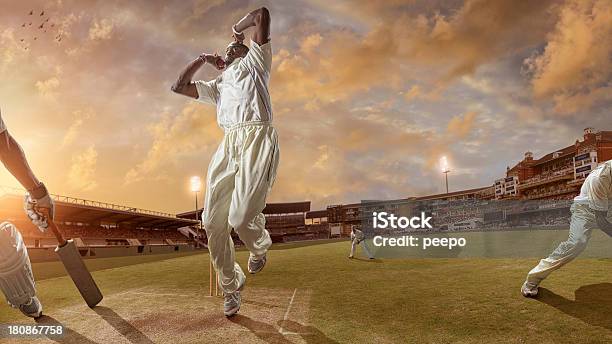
(16, 279)
(595, 194)
(358, 238)
(243, 169)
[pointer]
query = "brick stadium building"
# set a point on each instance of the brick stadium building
(96, 226)
(556, 175)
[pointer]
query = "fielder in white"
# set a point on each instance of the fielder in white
(16, 279)
(590, 210)
(242, 171)
(358, 238)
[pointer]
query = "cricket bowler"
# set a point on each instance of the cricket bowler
(358, 238)
(590, 210)
(16, 279)
(242, 170)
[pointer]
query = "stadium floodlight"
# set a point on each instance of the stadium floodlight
(445, 169)
(196, 184)
(444, 163)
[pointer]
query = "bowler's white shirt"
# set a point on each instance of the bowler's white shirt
(241, 91)
(596, 190)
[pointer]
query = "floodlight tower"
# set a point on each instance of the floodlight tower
(445, 169)
(196, 185)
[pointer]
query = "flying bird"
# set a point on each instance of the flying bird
(23, 25)
(31, 12)
(42, 13)
(35, 38)
(47, 20)
(41, 25)
(29, 24)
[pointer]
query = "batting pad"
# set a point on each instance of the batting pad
(16, 279)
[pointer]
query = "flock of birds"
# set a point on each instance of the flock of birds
(43, 27)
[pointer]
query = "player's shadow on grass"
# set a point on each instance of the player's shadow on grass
(310, 334)
(593, 303)
(359, 259)
(260, 304)
(126, 329)
(69, 336)
(271, 334)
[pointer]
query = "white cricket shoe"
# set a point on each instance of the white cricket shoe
(231, 303)
(256, 265)
(529, 289)
(32, 309)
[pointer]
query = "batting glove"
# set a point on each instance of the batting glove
(38, 199)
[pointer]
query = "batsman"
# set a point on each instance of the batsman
(590, 210)
(358, 238)
(243, 169)
(16, 279)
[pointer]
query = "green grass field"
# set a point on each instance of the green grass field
(314, 294)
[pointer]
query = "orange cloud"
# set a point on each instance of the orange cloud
(575, 67)
(461, 126)
(101, 29)
(48, 88)
(81, 175)
(175, 136)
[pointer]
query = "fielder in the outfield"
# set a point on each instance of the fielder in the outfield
(16, 279)
(242, 171)
(590, 210)
(358, 238)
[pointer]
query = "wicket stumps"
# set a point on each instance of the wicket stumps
(212, 272)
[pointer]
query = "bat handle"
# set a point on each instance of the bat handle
(60, 239)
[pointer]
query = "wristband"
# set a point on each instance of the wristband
(234, 30)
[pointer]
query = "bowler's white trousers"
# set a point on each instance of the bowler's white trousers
(581, 226)
(240, 176)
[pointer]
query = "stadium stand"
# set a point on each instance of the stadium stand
(98, 224)
(287, 222)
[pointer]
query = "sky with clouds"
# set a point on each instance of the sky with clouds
(367, 95)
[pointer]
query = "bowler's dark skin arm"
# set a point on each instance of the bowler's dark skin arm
(260, 19)
(184, 84)
(14, 159)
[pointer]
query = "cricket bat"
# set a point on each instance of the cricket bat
(70, 257)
